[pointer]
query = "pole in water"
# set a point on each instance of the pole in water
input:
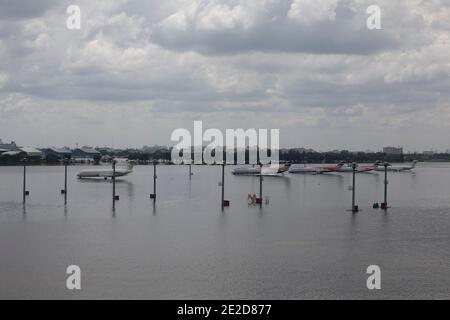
(64, 191)
(190, 171)
(65, 182)
(154, 182)
(260, 187)
(114, 183)
(223, 186)
(24, 179)
(354, 207)
(384, 206)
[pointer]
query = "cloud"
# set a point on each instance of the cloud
(320, 26)
(20, 9)
(309, 11)
(140, 69)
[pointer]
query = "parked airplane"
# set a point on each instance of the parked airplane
(335, 168)
(303, 169)
(269, 170)
(380, 167)
(243, 171)
(315, 170)
(359, 168)
(275, 169)
(123, 169)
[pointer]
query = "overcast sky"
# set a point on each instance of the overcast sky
(138, 69)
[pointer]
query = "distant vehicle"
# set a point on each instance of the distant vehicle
(268, 170)
(380, 167)
(122, 169)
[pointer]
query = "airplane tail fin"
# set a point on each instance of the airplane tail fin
(414, 164)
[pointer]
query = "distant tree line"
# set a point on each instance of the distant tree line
(296, 156)
(288, 155)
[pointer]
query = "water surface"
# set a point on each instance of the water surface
(304, 244)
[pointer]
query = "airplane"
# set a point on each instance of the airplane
(366, 168)
(275, 169)
(107, 172)
(335, 168)
(359, 168)
(316, 170)
(269, 170)
(303, 169)
(380, 167)
(244, 171)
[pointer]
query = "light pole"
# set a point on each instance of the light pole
(354, 207)
(384, 206)
(65, 180)
(190, 171)
(25, 192)
(260, 186)
(114, 183)
(222, 204)
(154, 182)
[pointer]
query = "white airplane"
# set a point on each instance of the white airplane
(121, 170)
(359, 168)
(275, 169)
(244, 171)
(380, 167)
(317, 170)
(303, 169)
(270, 170)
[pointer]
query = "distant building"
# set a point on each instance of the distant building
(86, 154)
(8, 146)
(393, 150)
(12, 157)
(56, 153)
(32, 152)
(105, 150)
(428, 153)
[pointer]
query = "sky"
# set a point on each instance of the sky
(137, 70)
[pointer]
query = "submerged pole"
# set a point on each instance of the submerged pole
(65, 181)
(385, 205)
(260, 187)
(114, 183)
(24, 180)
(354, 207)
(154, 182)
(190, 171)
(223, 186)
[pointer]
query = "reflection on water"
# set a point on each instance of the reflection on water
(302, 244)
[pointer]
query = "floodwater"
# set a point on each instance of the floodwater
(303, 244)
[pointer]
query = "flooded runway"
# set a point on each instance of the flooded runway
(304, 244)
